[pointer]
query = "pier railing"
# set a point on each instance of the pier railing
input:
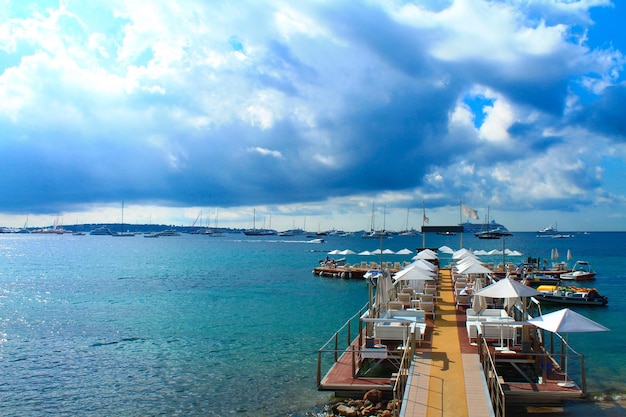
(399, 382)
(339, 343)
(498, 400)
(565, 368)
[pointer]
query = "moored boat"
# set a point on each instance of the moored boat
(582, 271)
(101, 231)
(168, 232)
(571, 295)
(493, 234)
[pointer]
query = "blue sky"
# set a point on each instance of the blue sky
(313, 110)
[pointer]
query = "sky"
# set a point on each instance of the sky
(313, 114)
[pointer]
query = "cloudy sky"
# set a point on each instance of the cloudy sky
(313, 110)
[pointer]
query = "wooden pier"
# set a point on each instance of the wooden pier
(450, 374)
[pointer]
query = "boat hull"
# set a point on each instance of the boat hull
(555, 299)
(578, 277)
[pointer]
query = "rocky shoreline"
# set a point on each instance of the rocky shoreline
(372, 404)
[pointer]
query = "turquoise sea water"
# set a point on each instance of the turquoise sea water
(203, 326)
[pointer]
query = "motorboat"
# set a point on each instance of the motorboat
(101, 231)
(571, 295)
(168, 232)
(549, 230)
(534, 280)
(582, 271)
(448, 233)
(493, 234)
(480, 227)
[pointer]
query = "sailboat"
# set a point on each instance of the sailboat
(407, 231)
(257, 232)
(215, 232)
(495, 233)
(122, 233)
(376, 234)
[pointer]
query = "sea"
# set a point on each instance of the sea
(194, 325)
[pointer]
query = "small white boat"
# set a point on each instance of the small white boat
(582, 271)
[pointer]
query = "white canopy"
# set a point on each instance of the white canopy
(462, 253)
(425, 254)
(507, 288)
(446, 249)
(567, 321)
(404, 251)
(346, 252)
(423, 264)
(474, 268)
(412, 273)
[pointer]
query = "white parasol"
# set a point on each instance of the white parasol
(446, 249)
(425, 254)
(567, 321)
(507, 288)
(474, 268)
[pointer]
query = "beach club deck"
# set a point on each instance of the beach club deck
(450, 373)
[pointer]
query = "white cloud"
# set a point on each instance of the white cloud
(351, 100)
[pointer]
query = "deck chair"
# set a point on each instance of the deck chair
(429, 308)
(405, 299)
(463, 300)
(396, 305)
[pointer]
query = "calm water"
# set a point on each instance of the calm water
(201, 326)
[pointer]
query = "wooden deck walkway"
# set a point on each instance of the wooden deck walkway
(444, 380)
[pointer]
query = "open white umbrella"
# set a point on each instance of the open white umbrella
(365, 253)
(388, 252)
(346, 252)
(567, 321)
(425, 254)
(334, 252)
(424, 264)
(446, 249)
(404, 251)
(461, 253)
(474, 268)
(412, 273)
(507, 288)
